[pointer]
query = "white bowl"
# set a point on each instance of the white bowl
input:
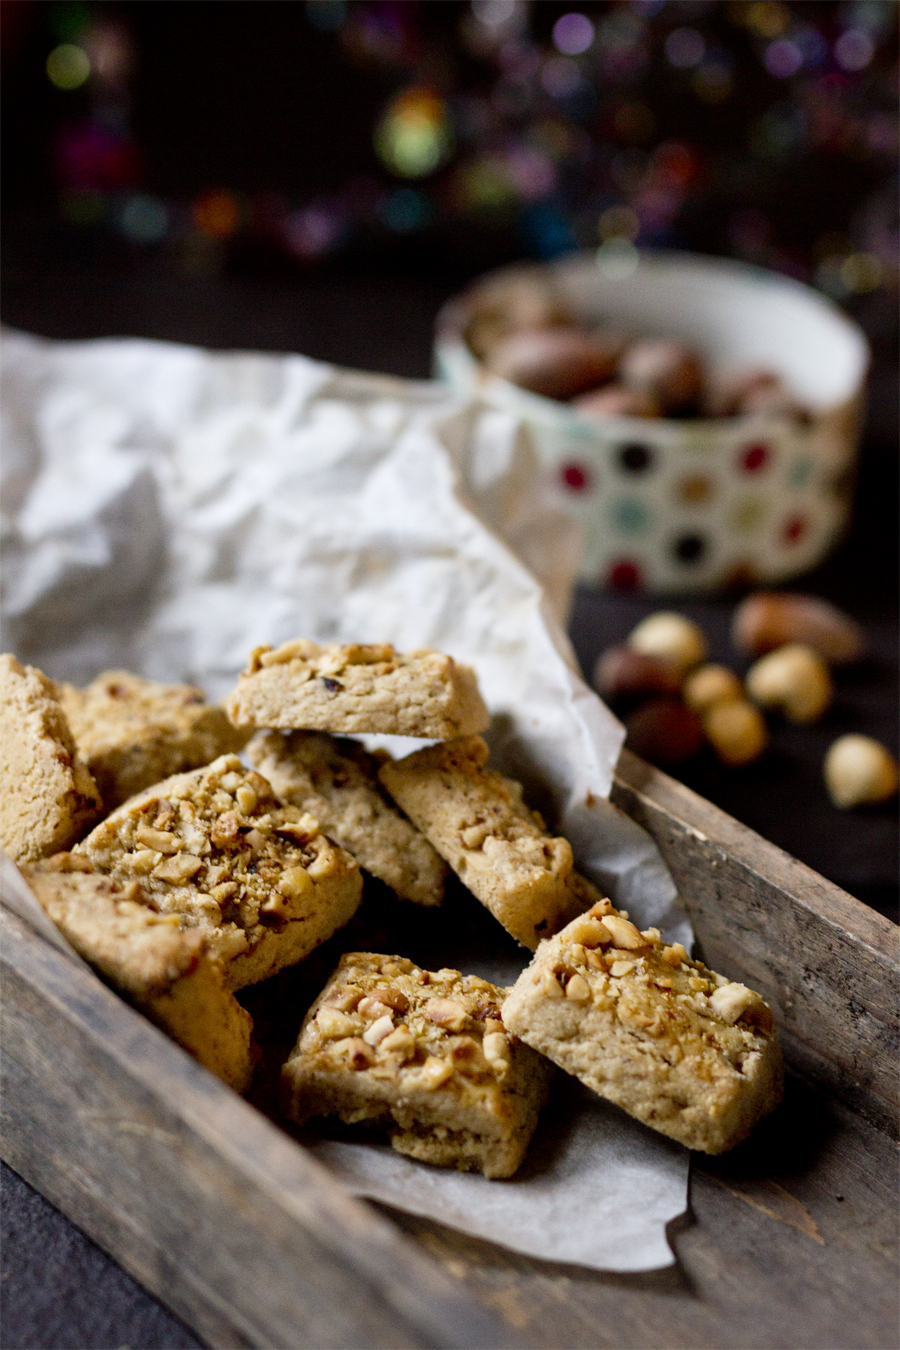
(698, 504)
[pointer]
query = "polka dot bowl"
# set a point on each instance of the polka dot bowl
(697, 505)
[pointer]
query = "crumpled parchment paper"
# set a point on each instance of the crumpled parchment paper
(167, 509)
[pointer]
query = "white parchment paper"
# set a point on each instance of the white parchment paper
(166, 509)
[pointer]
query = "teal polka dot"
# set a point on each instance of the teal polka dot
(800, 471)
(629, 516)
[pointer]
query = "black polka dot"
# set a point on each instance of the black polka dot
(634, 458)
(689, 548)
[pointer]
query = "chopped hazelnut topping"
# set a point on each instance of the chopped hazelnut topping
(392, 998)
(379, 1029)
(578, 989)
(294, 882)
(674, 955)
(431, 1075)
(619, 968)
(332, 1023)
(446, 1012)
(246, 799)
(178, 869)
(356, 1052)
(157, 839)
(624, 933)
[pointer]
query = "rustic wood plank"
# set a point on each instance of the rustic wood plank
(791, 1244)
(827, 964)
(196, 1193)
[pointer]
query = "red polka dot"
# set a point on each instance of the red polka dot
(794, 529)
(755, 457)
(575, 477)
(625, 576)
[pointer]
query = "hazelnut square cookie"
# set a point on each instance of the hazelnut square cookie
(424, 1053)
(477, 820)
(337, 782)
(261, 880)
(48, 798)
(132, 732)
(357, 688)
(680, 1048)
(167, 971)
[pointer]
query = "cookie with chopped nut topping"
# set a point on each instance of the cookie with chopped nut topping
(423, 1053)
(336, 781)
(477, 820)
(133, 732)
(48, 798)
(682, 1049)
(357, 688)
(261, 880)
(162, 968)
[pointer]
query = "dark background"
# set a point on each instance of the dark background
(220, 178)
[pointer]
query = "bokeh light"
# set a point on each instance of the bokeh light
(573, 34)
(406, 210)
(68, 66)
(217, 214)
(854, 49)
(685, 47)
(783, 58)
(144, 219)
(617, 259)
(414, 136)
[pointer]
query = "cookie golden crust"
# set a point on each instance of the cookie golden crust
(213, 846)
(358, 688)
(424, 1053)
(132, 732)
(337, 782)
(478, 822)
(48, 798)
(682, 1049)
(162, 968)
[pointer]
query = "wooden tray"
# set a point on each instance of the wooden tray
(791, 1239)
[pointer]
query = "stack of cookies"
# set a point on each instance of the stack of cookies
(219, 875)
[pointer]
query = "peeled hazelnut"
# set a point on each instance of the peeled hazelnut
(711, 684)
(772, 619)
(671, 637)
(668, 371)
(859, 769)
(793, 678)
(623, 675)
(736, 730)
(665, 732)
(617, 401)
(558, 363)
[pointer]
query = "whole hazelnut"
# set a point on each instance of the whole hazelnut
(557, 363)
(770, 619)
(513, 301)
(793, 678)
(617, 401)
(623, 676)
(727, 392)
(668, 371)
(736, 730)
(711, 684)
(859, 769)
(671, 637)
(665, 732)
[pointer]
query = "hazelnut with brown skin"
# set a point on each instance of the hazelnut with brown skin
(624, 677)
(558, 363)
(665, 732)
(617, 401)
(771, 619)
(518, 300)
(669, 371)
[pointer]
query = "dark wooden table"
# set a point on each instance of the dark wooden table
(755, 1206)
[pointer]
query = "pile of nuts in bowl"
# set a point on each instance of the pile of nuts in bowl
(521, 329)
(673, 702)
